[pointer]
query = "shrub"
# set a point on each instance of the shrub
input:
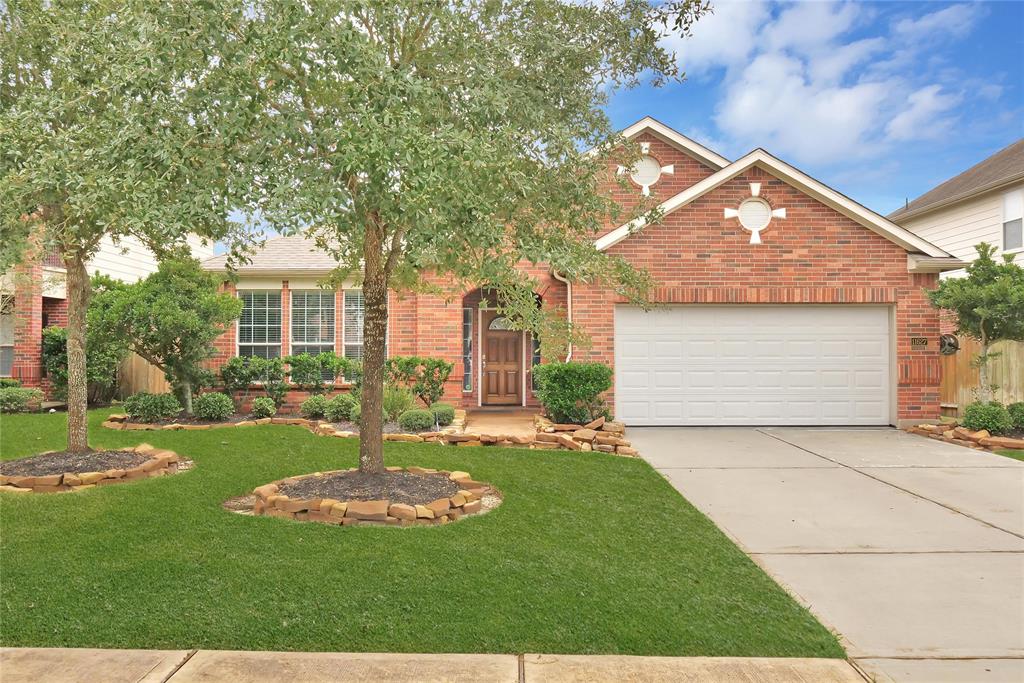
(146, 407)
(416, 420)
(263, 406)
(355, 413)
(16, 399)
(443, 413)
(8, 382)
(1016, 411)
(339, 408)
(396, 401)
(314, 406)
(103, 355)
(425, 377)
(992, 416)
(272, 376)
(308, 372)
(571, 392)
(213, 406)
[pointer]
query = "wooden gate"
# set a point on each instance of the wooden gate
(960, 380)
(136, 374)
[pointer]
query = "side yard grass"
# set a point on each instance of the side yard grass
(589, 553)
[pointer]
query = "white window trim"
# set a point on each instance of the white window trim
(238, 322)
(291, 327)
(471, 350)
(1004, 220)
(344, 327)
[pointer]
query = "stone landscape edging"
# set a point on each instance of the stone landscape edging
(467, 501)
(161, 462)
(953, 433)
(599, 435)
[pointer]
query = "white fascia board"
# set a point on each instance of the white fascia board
(675, 138)
(919, 263)
(780, 169)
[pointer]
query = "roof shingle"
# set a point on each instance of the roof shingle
(280, 254)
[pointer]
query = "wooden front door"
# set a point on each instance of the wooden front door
(502, 362)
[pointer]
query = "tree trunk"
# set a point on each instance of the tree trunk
(375, 324)
(186, 396)
(984, 392)
(78, 290)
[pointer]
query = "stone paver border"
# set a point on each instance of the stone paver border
(161, 462)
(467, 501)
(603, 436)
(951, 432)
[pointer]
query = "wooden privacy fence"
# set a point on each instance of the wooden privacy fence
(960, 380)
(137, 374)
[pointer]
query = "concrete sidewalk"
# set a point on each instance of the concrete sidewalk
(43, 665)
(911, 549)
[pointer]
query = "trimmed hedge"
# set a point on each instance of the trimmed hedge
(992, 416)
(571, 392)
(263, 406)
(314, 406)
(1016, 411)
(443, 413)
(339, 408)
(213, 406)
(17, 399)
(416, 420)
(146, 407)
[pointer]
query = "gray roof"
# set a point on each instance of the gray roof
(280, 254)
(1003, 167)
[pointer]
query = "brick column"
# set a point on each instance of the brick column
(28, 325)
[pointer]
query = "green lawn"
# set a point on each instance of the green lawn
(588, 554)
(1016, 455)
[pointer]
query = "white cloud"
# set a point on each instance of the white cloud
(924, 117)
(819, 82)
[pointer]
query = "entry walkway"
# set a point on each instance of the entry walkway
(911, 549)
(511, 422)
(216, 666)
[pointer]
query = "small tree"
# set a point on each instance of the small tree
(988, 305)
(171, 319)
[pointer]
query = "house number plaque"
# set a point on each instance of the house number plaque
(918, 342)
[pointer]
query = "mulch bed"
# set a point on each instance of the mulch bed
(59, 463)
(389, 428)
(186, 420)
(397, 487)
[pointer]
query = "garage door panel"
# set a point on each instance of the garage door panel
(753, 365)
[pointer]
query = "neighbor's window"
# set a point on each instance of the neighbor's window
(467, 349)
(259, 328)
(6, 336)
(353, 323)
(1013, 220)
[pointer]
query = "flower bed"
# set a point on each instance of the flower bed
(961, 436)
(148, 461)
(412, 500)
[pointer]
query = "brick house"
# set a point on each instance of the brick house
(33, 297)
(781, 301)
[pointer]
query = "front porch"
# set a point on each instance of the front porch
(510, 422)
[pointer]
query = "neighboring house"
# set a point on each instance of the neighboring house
(32, 297)
(985, 203)
(784, 302)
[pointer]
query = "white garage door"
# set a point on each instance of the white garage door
(752, 365)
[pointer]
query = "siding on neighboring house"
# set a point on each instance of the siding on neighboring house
(129, 260)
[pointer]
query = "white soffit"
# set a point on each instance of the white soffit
(780, 169)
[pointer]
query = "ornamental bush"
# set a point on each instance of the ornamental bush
(213, 406)
(355, 413)
(396, 400)
(992, 416)
(146, 407)
(7, 382)
(17, 399)
(1016, 411)
(339, 408)
(263, 406)
(443, 413)
(571, 392)
(416, 420)
(314, 406)
(423, 376)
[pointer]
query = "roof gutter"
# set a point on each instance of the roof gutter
(906, 214)
(568, 287)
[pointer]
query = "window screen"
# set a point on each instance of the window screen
(259, 328)
(312, 321)
(353, 323)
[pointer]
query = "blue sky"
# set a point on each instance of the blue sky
(880, 100)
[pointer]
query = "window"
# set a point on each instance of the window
(353, 322)
(1013, 220)
(467, 349)
(259, 328)
(312, 321)
(6, 336)
(500, 323)
(534, 360)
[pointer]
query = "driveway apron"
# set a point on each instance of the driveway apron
(911, 549)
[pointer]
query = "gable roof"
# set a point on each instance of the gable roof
(1003, 167)
(280, 255)
(677, 140)
(780, 169)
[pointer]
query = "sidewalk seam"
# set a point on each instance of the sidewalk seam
(521, 659)
(182, 663)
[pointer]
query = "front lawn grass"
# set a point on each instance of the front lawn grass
(1016, 455)
(589, 553)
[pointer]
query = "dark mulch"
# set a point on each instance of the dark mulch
(398, 487)
(186, 420)
(58, 463)
(389, 428)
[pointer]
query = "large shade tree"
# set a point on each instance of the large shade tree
(108, 131)
(450, 138)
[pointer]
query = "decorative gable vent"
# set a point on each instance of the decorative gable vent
(755, 213)
(647, 170)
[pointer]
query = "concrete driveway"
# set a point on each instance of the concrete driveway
(911, 549)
